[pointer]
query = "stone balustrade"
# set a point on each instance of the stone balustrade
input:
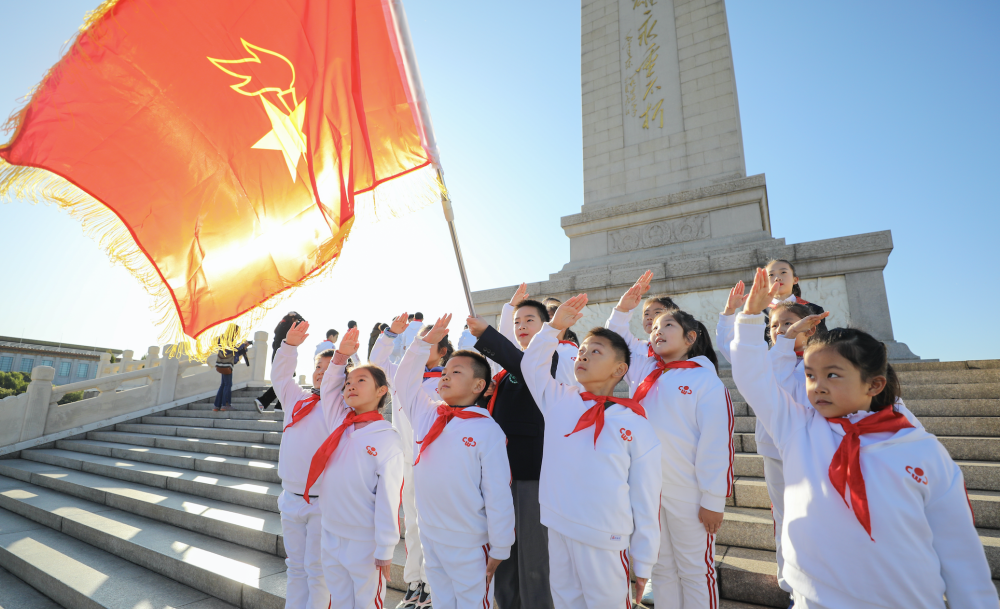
(122, 388)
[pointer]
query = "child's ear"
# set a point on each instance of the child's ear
(690, 337)
(875, 385)
(382, 391)
(621, 370)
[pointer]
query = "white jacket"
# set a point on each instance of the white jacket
(381, 356)
(789, 371)
(692, 413)
(463, 479)
(299, 442)
(567, 351)
(607, 494)
(363, 480)
(926, 544)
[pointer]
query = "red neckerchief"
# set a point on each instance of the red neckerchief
(569, 342)
(445, 415)
(302, 408)
(595, 414)
(799, 353)
(493, 398)
(432, 374)
(329, 446)
(845, 468)
(661, 367)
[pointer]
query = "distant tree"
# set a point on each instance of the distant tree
(72, 396)
(13, 383)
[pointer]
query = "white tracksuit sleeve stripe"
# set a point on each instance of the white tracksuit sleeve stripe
(724, 335)
(645, 472)
(283, 380)
(714, 456)
(381, 352)
(506, 328)
(619, 324)
(536, 366)
(418, 407)
(753, 375)
(387, 497)
(964, 568)
(495, 486)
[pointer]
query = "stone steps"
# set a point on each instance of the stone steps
(940, 426)
(232, 448)
(19, 595)
(234, 415)
(207, 433)
(245, 425)
(250, 527)
(78, 575)
(240, 491)
(966, 448)
(240, 467)
(232, 573)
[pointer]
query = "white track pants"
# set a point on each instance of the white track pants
(774, 476)
(458, 576)
(584, 577)
(415, 570)
(300, 527)
(351, 575)
(684, 573)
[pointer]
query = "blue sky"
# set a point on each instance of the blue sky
(864, 116)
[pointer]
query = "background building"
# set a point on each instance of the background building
(73, 363)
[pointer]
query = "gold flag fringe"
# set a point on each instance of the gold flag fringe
(406, 193)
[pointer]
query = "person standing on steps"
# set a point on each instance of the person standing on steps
(280, 331)
(224, 363)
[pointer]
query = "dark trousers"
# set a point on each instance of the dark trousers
(522, 581)
(224, 396)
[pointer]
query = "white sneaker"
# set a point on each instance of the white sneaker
(424, 599)
(647, 594)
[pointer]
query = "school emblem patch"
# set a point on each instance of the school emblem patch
(917, 474)
(469, 441)
(626, 434)
(371, 451)
(685, 389)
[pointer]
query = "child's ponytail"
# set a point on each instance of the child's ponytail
(869, 355)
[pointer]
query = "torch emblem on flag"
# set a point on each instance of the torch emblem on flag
(286, 125)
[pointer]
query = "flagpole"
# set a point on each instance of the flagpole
(417, 90)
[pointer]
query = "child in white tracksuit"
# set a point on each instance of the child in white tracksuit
(785, 358)
(361, 465)
(600, 482)
(414, 571)
(876, 513)
(461, 474)
(304, 431)
(692, 413)
(521, 333)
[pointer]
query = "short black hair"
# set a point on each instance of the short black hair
(331, 332)
(662, 299)
(418, 316)
(409, 317)
(617, 343)
(480, 367)
(543, 312)
(325, 353)
(352, 324)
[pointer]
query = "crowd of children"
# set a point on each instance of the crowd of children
(523, 478)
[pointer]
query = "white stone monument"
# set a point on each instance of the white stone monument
(665, 184)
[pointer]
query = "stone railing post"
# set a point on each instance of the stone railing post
(39, 395)
(102, 366)
(260, 352)
(170, 369)
(152, 357)
(126, 363)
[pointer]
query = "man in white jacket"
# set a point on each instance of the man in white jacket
(600, 489)
(461, 474)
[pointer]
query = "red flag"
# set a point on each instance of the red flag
(218, 149)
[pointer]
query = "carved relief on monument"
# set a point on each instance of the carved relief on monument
(656, 234)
